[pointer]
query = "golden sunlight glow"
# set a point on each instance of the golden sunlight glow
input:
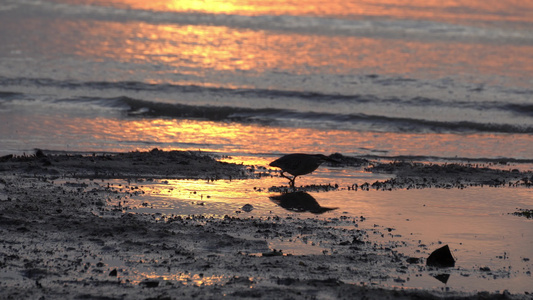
(184, 278)
(252, 138)
(198, 191)
(115, 134)
(180, 47)
(445, 10)
(229, 137)
(200, 49)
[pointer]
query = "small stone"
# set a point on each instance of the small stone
(149, 283)
(413, 260)
(247, 208)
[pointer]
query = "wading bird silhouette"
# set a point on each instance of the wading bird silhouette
(299, 164)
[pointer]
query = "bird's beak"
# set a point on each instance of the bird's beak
(332, 160)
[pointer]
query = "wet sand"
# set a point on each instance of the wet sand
(62, 238)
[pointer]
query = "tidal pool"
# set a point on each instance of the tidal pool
(493, 248)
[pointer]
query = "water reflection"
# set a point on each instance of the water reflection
(197, 48)
(300, 202)
(171, 52)
(421, 9)
(82, 133)
(475, 221)
(185, 278)
(442, 277)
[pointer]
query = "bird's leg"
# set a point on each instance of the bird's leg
(291, 180)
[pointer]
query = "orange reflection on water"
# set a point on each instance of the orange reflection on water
(448, 10)
(199, 191)
(184, 278)
(179, 47)
(235, 138)
(78, 133)
(169, 50)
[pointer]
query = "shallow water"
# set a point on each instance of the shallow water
(477, 222)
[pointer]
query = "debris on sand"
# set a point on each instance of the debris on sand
(522, 212)
(416, 175)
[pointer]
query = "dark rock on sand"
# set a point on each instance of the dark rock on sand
(441, 258)
(413, 260)
(149, 283)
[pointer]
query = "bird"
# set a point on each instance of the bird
(298, 164)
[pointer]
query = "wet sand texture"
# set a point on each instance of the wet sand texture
(60, 239)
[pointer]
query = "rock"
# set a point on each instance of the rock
(441, 258)
(39, 153)
(6, 158)
(413, 260)
(287, 281)
(272, 253)
(149, 283)
(240, 280)
(247, 208)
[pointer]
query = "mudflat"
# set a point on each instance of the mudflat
(62, 238)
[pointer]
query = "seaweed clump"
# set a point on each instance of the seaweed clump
(522, 212)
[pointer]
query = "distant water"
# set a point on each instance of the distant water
(378, 78)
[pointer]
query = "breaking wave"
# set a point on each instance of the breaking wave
(255, 109)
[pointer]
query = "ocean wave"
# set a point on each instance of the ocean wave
(318, 25)
(522, 109)
(286, 117)
(136, 108)
(519, 108)
(318, 110)
(8, 96)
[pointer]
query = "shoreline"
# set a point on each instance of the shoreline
(66, 240)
